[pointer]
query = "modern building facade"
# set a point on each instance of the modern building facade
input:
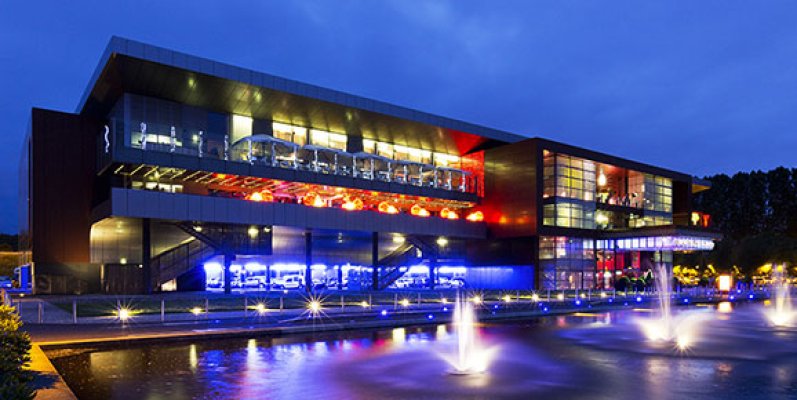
(181, 173)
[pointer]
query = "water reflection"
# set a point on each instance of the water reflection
(534, 361)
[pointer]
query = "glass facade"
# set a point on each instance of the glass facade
(163, 126)
(569, 190)
(572, 190)
(567, 262)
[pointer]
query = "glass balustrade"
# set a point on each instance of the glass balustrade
(267, 150)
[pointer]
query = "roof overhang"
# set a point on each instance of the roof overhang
(128, 66)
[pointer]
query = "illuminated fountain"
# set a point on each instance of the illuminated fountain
(471, 357)
(664, 327)
(782, 314)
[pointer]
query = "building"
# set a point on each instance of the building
(180, 173)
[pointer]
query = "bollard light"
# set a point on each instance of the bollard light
(444, 300)
(507, 298)
(314, 306)
(260, 308)
(560, 296)
(196, 310)
(535, 297)
(364, 304)
(405, 302)
(124, 314)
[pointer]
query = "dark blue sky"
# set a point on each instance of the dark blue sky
(697, 86)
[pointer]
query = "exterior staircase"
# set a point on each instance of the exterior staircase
(414, 251)
(178, 260)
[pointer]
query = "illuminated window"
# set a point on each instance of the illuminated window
(328, 139)
(241, 127)
(446, 160)
(398, 152)
(290, 133)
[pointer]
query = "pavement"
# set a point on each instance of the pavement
(48, 383)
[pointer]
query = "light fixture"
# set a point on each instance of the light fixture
(405, 303)
(448, 214)
(124, 314)
(314, 306)
(419, 211)
(442, 241)
(261, 196)
(601, 179)
(398, 239)
(476, 216)
(476, 299)
(196, 310)
(253, 231)
(123, 261)
(260, 308)
(312, 199)
(352, 204)
(387, 208)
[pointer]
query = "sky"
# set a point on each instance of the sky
(701, 87)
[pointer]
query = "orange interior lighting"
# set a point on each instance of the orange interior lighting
(387, 208)
(476, 216)
(263, 196)
(312, 199)
(350, 204)
(419, 211)
(449, 214)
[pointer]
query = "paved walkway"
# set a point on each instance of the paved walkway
(48, 383)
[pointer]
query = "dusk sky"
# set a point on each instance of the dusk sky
(702, 87)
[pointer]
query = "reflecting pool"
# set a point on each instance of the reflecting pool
(589, 356)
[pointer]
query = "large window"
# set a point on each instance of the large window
(567, 262)
(241, 127)
(328, 139)
(570, 182)
(404, 153)
(290, 133)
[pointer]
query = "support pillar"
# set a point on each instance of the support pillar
(308, 259)
(375, 261)
(146, 256)
(340, 277)
(432, 272)
(228, 259)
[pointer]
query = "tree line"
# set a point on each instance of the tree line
(757, 214)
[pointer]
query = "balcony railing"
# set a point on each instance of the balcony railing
(266, 150)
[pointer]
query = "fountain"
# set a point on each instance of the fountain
(664, 327)
(782, 314)
(471, 357)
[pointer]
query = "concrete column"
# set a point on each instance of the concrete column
(308, 259)
(340, 277)
(228, 259)
(146, 256)
(375, 261)
(432, 272)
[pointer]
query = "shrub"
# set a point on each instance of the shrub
(15, 379)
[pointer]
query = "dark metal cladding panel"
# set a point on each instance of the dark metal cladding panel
(511, 189)
(63, 165)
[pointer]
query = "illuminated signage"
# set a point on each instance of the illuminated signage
(654, 243)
